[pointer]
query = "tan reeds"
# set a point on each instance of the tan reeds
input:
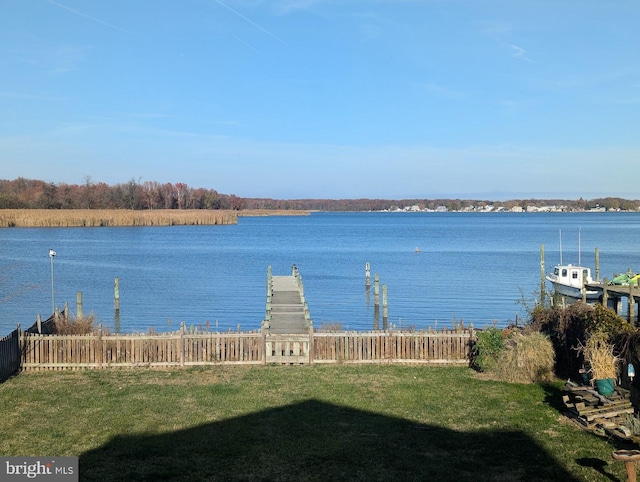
(526, 359)
(74, 326)
(598, 353)
(57, 218)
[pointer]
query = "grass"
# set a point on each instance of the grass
(375, 422)
(56, 218)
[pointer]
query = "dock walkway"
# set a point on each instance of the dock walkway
(287, 311)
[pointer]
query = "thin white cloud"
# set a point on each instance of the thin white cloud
(248, 45)
(94, 19)
(251, 22)
(519, 53)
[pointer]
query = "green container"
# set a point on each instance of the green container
(605, 386)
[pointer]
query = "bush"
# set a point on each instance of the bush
(76, 326)
(488, 345)
(569, 327)
(526, 359)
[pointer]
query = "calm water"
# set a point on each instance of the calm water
(471, 267)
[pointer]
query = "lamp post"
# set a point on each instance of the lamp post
(52, 254)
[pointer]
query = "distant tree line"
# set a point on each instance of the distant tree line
(609, 203)
(33, 194)
(24, 193)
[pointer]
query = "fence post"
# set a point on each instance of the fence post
(39, 323)
(182, 332)
(99, 346)
(311, 345)
(263, 341)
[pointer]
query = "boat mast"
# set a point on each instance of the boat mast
(560, 247)
(579, 231)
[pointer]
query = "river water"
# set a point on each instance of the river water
(439, 268)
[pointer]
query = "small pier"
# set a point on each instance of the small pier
(287, 327)
(287, 310)
(611, 296)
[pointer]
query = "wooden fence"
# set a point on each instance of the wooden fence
(58, 352)
(9, 355)
(10, 347)
(54, 352)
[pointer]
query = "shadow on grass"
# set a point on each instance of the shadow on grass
(314, 440)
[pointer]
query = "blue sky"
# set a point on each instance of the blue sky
(495, 99)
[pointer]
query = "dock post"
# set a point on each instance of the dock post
(385, 305)
(542, 283)
(79, 305)
(367, 276)
(597, 265)
(116, 295)
(584, 288)
(605, 293)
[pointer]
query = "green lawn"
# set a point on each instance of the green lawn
(374, 422)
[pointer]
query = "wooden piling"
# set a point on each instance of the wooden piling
(376, 291)
(385, 312)
(116, 294)
(79, 305)
(39, 323)
(597, 265)
(367, 276)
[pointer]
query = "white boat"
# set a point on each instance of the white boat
(568, 280)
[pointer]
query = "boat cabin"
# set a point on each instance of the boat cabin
(570, 275)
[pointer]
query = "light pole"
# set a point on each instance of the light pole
(52, 254)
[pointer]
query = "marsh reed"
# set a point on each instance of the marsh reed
(59, 218)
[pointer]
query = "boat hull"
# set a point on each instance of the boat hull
(573, 292)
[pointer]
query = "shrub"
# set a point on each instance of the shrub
(526, 359)
(569, 327)
(76, 326)
(488, 345)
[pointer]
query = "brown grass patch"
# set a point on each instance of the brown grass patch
(526, 359)
(62, 218)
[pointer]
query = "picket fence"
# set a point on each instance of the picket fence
(10, 346)
(98, 350)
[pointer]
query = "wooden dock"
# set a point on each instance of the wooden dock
(287, 311)
(287, 327)
(612, 296)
